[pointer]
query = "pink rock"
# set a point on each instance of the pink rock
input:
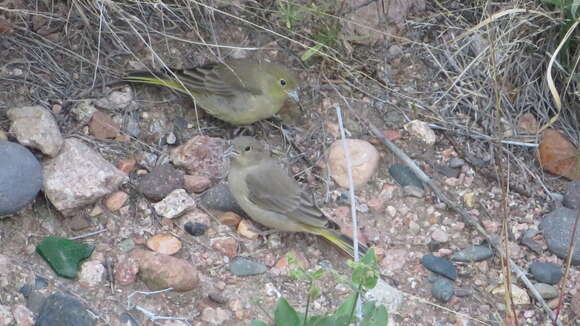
(116, 200)
(226, 245)
(160, 271)
(103, 126)
(202, 155)
(196, 183)
(164, 243)
(126, 270)
(23, 316)
(364, 159)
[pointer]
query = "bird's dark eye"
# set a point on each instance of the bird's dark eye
(248, 148)
(283, 82)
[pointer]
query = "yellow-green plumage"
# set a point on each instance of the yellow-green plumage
(238, 91)
(272, 198)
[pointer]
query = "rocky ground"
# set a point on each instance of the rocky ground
(140, 177)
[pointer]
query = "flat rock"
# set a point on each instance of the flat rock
(63, 310)
(557, 227)
(175, 204)
(79, 176)
(548, 273)
(473, 253)
(20, 177)
(220, 198)
(443, 289)
(440, 266)
(202, 155)
(35, 127)
(162, 180)
(572, 195)
(242, 266)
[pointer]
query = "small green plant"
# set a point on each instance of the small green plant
(570, 11)
(364, 277)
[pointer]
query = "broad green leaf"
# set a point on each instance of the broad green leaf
(374, 315)
(63, 255)
(258, 323)
(285, 315)
(346, 306)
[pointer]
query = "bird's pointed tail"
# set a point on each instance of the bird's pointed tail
(341, 240)
(159, 79)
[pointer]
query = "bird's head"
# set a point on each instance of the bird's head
(281, 81)
(247, 151)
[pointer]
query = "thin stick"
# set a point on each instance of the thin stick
(352, 201)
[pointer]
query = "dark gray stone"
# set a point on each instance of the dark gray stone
(443, 289)
(220, 198)
(405, 176)
(473, 253)
(557, 227)
(242, 266)
(572, 195)
(528, 241)
(162, 180)
(62, 310)
(195, 229)
(20, 177)
(548, 273)
(440, 266)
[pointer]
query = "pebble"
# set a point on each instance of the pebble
(528, 241)
(230, 219)
(63, 310)
(547, 291)
(195, 229)
(226, 245)
(242, 266)
(126, 270)
(202, 155)
(557, 227)
(196, 183)
(413, 191)
(164, 243)
(364, 159)
(447, 171)
(440, 266)
(220, 198)
(83, 111)
(92, 274)
(405, 176)
(116, 200)
(102, 126)
(473, 254)
(443, 289)
(159, 271)
(519, 295)
(440, 236)
(175, 204)
(469, 199)
(456, 162)
(79, 176)
(216, 316)
(422, 131)
(572, 195)
(161, 181)
(127, 166)
(20, 177)
(387, 295)
(247, 230)
(36, 127)
(548, 273)
(117, 99)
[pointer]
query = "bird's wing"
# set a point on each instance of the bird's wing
(216, 79)
(270, 188)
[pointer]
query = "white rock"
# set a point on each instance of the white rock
(175, 204)
(79, 176)
(92, 274)
(364, 159)
(421, 130)
(35, 127)
(6, 318)
(216, 316)
(118, 99)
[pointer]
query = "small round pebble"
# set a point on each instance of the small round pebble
(20, 177)
(443, 289)
(195, 229)
(548, 273)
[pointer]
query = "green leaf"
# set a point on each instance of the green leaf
(258, 323)
(311, 51)
(374, 315)
(346, 306)
(318, 274)
(285, 315)
(370, 258)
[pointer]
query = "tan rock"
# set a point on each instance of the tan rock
(364, 162)
(226, 245)
(247, 230)
(127, 165)
(164, 243)
(160, 271)
(230, 218)
(103, 126)
(35, 127)
(422, 131)
(116, 200)
(519, 295)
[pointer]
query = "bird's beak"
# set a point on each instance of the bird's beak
(293, 94)
(231, 152)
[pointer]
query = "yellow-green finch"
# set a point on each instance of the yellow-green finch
(237, 91)
(267, 194)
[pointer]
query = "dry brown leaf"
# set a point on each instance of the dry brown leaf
(558, 155)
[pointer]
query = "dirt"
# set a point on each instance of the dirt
(398, 226)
